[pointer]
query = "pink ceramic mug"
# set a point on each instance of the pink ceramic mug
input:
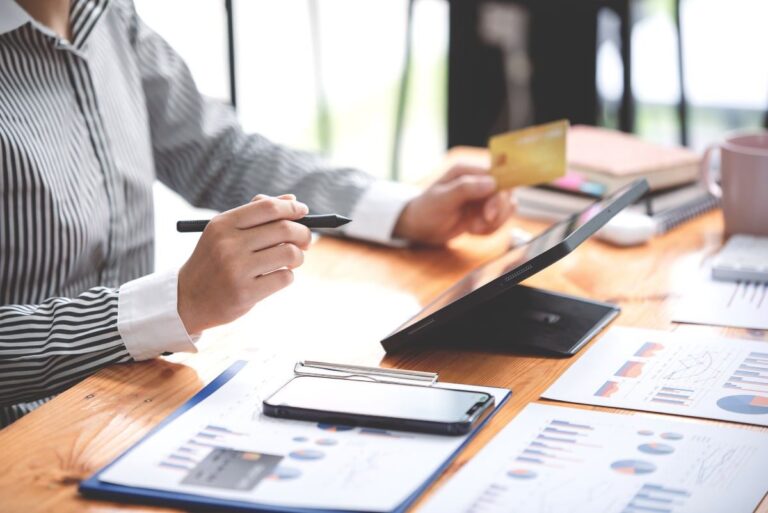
(744, 182)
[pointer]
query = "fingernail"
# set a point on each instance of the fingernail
(487, 183)
(302, 207)
(491, 210)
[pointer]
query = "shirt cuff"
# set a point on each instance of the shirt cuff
(378, 209)
(148, 319)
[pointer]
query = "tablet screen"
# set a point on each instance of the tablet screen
(514, 259)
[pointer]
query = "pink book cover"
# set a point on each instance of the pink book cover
(615, 153)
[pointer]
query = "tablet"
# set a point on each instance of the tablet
(478, 288)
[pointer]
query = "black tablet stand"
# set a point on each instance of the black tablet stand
(527, 320)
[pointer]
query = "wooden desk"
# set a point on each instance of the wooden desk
(44, 455)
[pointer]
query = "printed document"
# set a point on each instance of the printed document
(694, 375)
(553, 459)
(724, 303)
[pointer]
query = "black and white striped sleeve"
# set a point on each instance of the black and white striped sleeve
(202, 152)
(48, 347)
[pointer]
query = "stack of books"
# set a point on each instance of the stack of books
(601, 161)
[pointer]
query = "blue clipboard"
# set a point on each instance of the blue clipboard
(93, 487)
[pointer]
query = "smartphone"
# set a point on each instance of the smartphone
(380, 405)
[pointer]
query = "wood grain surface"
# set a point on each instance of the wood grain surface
(44, 455)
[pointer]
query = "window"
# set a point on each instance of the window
(282, 75)
(726, 76)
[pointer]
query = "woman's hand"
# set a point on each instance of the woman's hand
(243, 256)
(463, 200)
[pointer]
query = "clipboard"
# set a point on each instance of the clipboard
(95, 487)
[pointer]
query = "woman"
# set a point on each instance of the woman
(94, 106)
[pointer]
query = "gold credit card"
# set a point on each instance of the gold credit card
(529, 156)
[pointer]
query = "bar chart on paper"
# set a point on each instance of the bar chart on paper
(553, 459)
(722, 303)
(712, 377)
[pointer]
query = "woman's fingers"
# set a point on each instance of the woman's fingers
(262, 211)
(274, 233)
(284, 256)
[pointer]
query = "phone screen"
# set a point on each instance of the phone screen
(379, 400)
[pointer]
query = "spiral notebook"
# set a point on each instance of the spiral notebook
(665, 219)
(668, 219)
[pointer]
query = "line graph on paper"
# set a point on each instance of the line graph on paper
(689, 366)
(693, 367)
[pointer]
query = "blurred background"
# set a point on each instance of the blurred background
(388, 85)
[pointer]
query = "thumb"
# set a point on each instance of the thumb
(469, 188)
(282, 196)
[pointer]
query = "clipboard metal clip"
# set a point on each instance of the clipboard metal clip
(376, 374)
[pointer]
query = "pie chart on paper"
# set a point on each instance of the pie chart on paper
(746, 404)
(656, 448)
(306, 454)
(520, 473)
(633, 467)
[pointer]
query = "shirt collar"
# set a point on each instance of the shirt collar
(12, 16)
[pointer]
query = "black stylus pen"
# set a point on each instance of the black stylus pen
(310, 221)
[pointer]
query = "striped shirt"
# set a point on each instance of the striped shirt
(86, 126)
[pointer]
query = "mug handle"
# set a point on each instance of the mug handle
(706, 172)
